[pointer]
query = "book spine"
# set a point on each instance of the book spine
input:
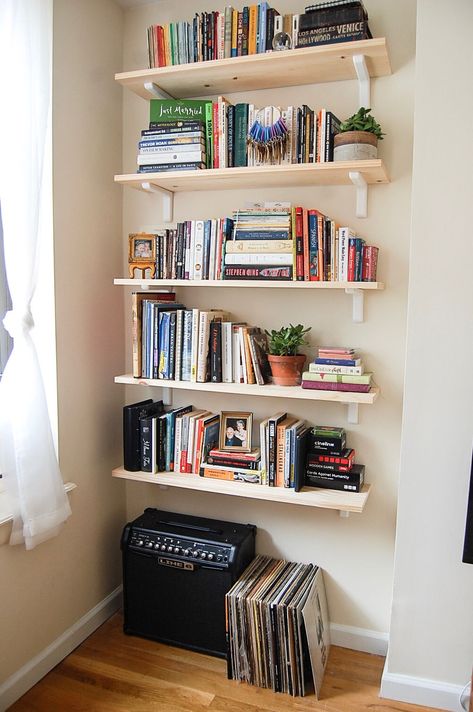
(345, 387)
(351, 259)
(216, 352)
(166, 167)
(240, 34)
(337, 362)
(177, 444)
(230, 135)
(172, 347)
(198, 249)
(258, 272)
(232, 463)
(245, 31)
(346, 370)
(249, 258)
(280, 455)
(146, 445)
(272, 452)
(260, 234)
(227, 352)
(234, 32)
(313, 247)
(194, 344)
(241, 130)
(203, 346)
(299, 246)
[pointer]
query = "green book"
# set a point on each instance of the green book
(337, 378)
(240, 134)
(162, 110)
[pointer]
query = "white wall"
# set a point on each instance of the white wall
(432, 621)
(356, 553)
(46, 591)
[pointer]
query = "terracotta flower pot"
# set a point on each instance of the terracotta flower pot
(355, 146)
(287, 370)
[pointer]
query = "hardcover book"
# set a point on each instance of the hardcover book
(170, 110)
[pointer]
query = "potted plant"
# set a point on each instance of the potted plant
(286, 364)
(358, 137)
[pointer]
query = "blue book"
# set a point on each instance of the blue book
(170, 434)
(338, 362)
(206, 250)
(164, 320)
(262, 27)
(240, 234)
(359, 242)
(186, 346)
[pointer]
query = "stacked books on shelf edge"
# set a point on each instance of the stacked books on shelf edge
(265, 241)
(188, 134)
(337, 369)
(278, 626)
(330, 464)
(333, 21)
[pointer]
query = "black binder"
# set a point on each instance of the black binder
(131, 431)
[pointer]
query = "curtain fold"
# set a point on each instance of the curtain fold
(27, 456)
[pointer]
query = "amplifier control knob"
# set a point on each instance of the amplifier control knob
(210, 557)
(156, 546)
(203, 555)
(170, 549)
(140, 542)
(163, 547)
(187, 552)
(195, 553)
(176, 550)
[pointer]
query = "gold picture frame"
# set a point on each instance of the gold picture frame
(235, 431)
(142, 253)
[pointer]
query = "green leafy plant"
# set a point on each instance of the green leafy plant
(362, 121)
(287, 340)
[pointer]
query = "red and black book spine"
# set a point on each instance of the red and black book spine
(233, 462)
(370, 263)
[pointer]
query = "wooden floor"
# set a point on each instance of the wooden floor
(111, 672)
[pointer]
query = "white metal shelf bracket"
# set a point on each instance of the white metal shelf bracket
(361, 193)
(167, 198)
(343, 513)
(358, 303)
(364, 81)
(157, 92)
(352, 415)
(167, 396)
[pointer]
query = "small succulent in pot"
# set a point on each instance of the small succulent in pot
(285, 361)
(358, 137)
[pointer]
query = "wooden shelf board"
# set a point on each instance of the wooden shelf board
(332, 173)
(309, 497)
(308, 65)
(246, 389)
(239, 283)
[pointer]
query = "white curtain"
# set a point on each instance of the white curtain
(27, 456)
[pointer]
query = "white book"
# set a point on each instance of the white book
(342, 370)
(179, 157)
(222, 132)
(213, 248)
(344, 234)
(241, 335)
(237, 363)
(177, 443)
(155, 136)
(277, 24)
(194, 344)
(179, 148)
(220, 35)
(287, 115)
(227, 352)
(249, 258)
(191, 438)
(205, 318)
(295, 30)
(263, 434)
(154, 444)
(198, 251)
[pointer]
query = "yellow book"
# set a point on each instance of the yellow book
(167, 45)
(253, 22)
(234, 32)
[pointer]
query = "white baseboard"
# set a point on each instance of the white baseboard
(419, 691)
(27, 676)
(363, 639)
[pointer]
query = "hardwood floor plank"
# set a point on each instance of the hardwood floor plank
(114, 672)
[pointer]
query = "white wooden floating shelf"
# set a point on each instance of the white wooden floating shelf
(308, 65)
(352, 400)
(331, 173)
(344, 502)
(247, 283)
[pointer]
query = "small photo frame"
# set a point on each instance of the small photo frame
(142, 247)
(235, 431)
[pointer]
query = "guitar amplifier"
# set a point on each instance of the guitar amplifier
(176, 572)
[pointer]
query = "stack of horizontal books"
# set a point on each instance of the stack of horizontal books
(337, 369)
(330, 463)
(233, 466)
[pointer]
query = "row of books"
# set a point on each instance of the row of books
(214, 35)
(193, 134)
(278, 626)
(253, 30)
(171, 342)
(269, 242)
(186, 440)
(337, 369)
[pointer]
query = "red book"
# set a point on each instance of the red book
(351, 259)
(369, 263)
(161, 54)
(305, 244)
(299, 246)
(324, 386)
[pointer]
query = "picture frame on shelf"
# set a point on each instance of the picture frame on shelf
(235, 431)
(142, 254)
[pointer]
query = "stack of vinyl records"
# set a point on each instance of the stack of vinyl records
(278, 628)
